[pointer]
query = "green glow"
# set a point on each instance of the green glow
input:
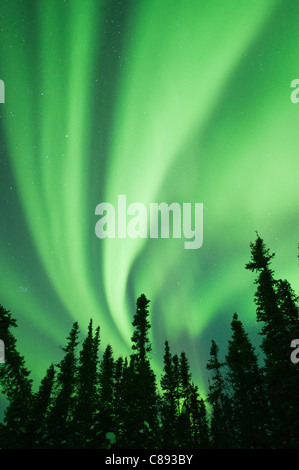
(200, 113)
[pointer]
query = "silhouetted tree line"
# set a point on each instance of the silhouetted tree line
(88, 402)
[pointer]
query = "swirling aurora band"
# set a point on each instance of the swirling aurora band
(160, 101)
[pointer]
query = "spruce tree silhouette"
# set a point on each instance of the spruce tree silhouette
(169, 410)
(204, 432)
(184, 420)
(118, 399)
(86, 391)
(42, 404)
(184, 423)
(16, 386)
(61, 418)
(176, 376)
(250, 409)
(140, 415)
(278, 313)
(199, 428)
(106, 393)
(222, 433)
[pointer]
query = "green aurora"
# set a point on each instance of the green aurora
(162, 101)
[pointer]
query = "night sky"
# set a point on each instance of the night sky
(161, 101)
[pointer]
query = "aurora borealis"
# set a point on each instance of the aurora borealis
(160, 101)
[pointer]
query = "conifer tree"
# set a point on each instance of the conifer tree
(140, 339)
(184, 418)
(222, 434)
(61, 419)
(130, 420)
(15, 385)
(199, 428)
(288, 305)
(118, 374)
(118, 402)
(140, 385)
(277, 310)
(169, 414)
(121, 408)
(83, 423)
(42, 403)
(204, 437)
(249, 404)
(177, 379)
(106, 397)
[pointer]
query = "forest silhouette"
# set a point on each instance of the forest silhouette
(92, 402)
